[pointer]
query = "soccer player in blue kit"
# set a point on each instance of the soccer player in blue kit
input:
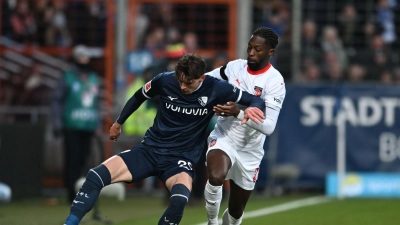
(173, 145)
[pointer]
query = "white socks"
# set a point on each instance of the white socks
(213, 196)
(227, 219)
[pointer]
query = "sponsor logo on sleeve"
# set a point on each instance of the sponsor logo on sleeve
(277, 100)
(147, 86)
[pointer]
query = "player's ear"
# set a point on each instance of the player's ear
(202, 77)
(271, 51)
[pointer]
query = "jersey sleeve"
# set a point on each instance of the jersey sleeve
(224, 72)
(273, 104)
(153, 87)
(228, 93)
(149, 90)
(276, 93)
(269, 123)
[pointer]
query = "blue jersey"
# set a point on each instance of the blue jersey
(179, 128)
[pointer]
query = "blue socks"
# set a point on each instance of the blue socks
(178, 200)
(85, 199)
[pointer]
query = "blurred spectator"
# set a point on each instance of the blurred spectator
(332, 44)
(277, 17)
(37, 88)
(219, 59)
(311, 53)
(57, 33)
(155, 40)
(312, 73)
(76, 115)
(190, 42)
(386, 77)
(42, 19)
(370, 29)
(349, 28)
(167, 63)
(386, 18)
(173, 35)
(97, 21)
(396, 75)
(335, 72)
(356, 73)
(378, 58)
(23, 23)
(140, 24)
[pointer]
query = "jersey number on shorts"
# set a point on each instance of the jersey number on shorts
(186, 165)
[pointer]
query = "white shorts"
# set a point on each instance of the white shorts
(245, 165)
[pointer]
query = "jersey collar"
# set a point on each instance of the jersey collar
(258, 72)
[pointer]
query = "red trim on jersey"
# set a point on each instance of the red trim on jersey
(258, 72)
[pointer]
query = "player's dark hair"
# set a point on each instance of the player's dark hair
(270, 37)
(190, 67)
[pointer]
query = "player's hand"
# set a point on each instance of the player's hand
(253, 113)
(229, 109)
(115, 131)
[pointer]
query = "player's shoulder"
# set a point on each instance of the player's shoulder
(238, 63)
(274, 73)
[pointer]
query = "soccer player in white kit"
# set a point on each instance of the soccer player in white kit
(235, 150)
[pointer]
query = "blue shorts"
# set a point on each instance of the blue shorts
(143, 162)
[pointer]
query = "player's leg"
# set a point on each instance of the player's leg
(111, 171)
(238, 199)
(131, 165)
(179, 186)
(177, 176)
(218, 164)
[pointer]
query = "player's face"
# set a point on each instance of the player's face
(189, 86)
(258, 53)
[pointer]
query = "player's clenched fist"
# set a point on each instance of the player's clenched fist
(115, 131)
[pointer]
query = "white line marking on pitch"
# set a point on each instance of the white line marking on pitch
(283, 207)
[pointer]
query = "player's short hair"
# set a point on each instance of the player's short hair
(270, 37)
(189, 67)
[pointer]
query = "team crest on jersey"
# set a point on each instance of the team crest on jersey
(147, 86)
(257, 91)
(203, 100)
(255, 176)
(213, 142)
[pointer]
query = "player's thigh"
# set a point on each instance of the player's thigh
(137, 163)
(175, 170)
(214, 156)
(118, 170)
(244, 172)
(180, 178)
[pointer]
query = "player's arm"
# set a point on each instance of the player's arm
(269, 123)
(149, 90)
(219, 73)
(256, 105)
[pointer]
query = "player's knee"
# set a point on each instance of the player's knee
(216, 178)
(99, 176)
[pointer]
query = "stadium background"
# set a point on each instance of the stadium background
(335, 49)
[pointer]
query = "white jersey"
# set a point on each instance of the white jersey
(269, 85)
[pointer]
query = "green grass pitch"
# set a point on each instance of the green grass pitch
(146, 210)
